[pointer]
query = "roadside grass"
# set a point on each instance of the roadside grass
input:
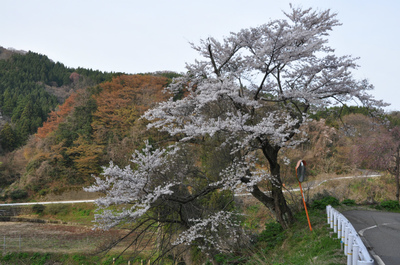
(79, 213)
(274, 246)
(256, 215)
(361, 190)
(299, 246)
(37, 258)
(82, 213)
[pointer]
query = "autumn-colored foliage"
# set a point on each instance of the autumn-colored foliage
(124, 99)
(57, 116)
(90, 128)
(85, 155)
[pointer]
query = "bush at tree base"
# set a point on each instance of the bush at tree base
(324, 201)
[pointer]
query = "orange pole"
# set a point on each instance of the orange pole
(305, 206)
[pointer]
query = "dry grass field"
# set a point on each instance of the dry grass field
(52, 238)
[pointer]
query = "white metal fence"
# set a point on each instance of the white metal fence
(354, 248)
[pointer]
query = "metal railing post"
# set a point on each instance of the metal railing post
(339, 227)
(350, 250)
(335, 219)
(328, 207)
(345, 241)
(343, 230)
(354, 248)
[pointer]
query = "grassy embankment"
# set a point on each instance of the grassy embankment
(295, 246)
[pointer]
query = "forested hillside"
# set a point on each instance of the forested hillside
(31, 86)
(94, 125)
(81, 119)
(90, 129)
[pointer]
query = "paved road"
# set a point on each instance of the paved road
(315, 183)
(380, 232)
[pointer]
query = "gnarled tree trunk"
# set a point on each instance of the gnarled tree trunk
(275, 201)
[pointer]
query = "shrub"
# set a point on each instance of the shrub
(18, 194)
(325, 201)
(349, 202)
(38, 208)
(58, 209)
(390, 205)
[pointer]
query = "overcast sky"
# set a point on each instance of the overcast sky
(152, 35)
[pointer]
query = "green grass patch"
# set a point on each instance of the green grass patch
(298, 245)
(67, 259)
(253, 219)
(81, 213)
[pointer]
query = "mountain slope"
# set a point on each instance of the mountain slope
(92, 127)
(31, 85)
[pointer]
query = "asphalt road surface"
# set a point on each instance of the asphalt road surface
(380, 232)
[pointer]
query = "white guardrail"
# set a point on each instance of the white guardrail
(354, 248)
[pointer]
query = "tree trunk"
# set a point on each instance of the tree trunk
(283, 214)
(276, 202)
